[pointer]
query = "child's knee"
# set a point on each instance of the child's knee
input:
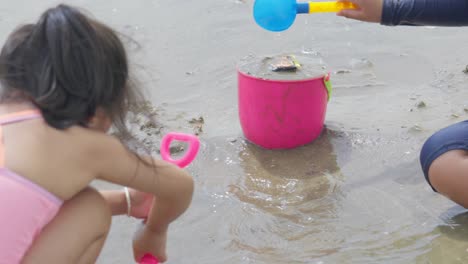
(429, 152)
(97, 210)
(454, 137)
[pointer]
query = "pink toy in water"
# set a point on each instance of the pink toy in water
(282, 114)
(189, 156)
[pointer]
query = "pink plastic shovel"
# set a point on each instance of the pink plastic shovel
(190, 154)
(149, 259)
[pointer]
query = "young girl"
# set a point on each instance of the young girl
(444, 156)
(64, 82)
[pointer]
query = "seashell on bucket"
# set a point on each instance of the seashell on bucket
(282, 110)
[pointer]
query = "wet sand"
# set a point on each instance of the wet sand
(356, 195)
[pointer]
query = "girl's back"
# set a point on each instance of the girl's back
(51, 158)
(40, 167)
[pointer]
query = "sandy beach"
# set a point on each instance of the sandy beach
(355, 195)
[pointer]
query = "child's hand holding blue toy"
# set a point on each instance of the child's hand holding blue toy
(279, 15)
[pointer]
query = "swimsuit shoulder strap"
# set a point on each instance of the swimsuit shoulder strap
(19, 116)
(14, 118)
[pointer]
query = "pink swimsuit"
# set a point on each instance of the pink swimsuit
(25, 206)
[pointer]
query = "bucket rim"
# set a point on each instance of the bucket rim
(325, 75)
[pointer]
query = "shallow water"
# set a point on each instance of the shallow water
(356, 195)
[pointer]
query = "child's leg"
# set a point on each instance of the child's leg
(444, 159)
(76, 234)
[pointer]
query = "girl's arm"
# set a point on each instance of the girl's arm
(425, 12)
(116, 200)
(140, 202)
(171, 186)
(410, 12)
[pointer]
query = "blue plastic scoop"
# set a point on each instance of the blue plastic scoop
(279, 15)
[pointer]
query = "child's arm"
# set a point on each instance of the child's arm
(171, 186)
(411, 12)
(140, 202)
(116, 200)
(425, 12)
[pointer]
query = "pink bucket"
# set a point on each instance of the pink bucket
(279, 114)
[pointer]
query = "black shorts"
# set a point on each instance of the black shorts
(454, 137)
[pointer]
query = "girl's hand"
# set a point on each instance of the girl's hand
(148, 241)
(141, 203)
(368, 10)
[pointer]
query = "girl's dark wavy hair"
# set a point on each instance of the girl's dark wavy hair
(68, 65)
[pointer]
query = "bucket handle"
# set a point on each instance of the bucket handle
(328, 85)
